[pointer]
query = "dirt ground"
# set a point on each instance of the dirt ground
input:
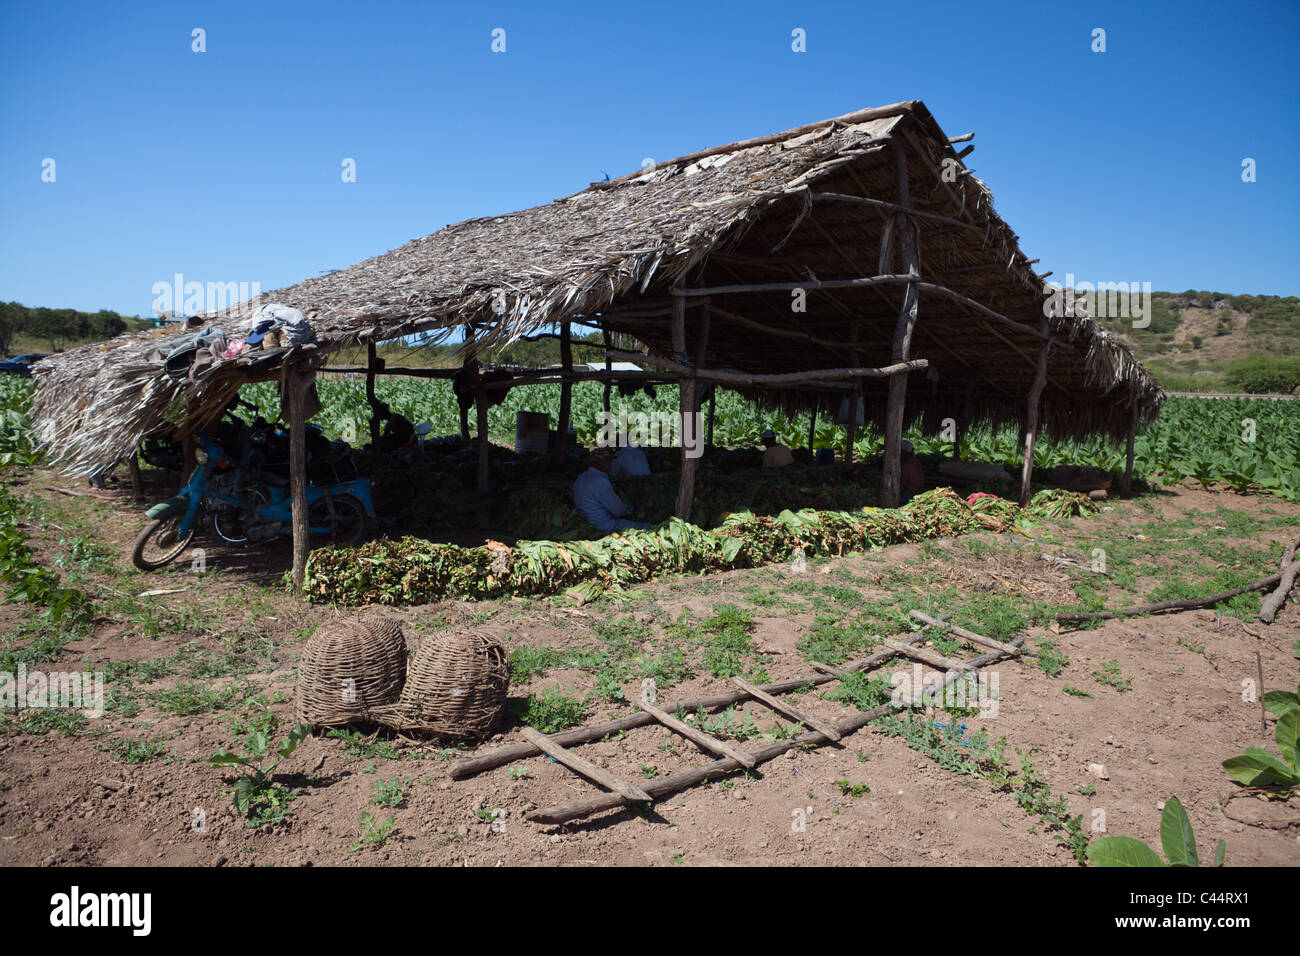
(67, 797)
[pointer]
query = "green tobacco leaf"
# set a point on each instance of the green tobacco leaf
(1259, 768)
(1288, 738)
(1281, 702)
(296, 736)
(244, 791)
(1122, 851)
(257, 745)
(226, 758)
(1176, 835)
(1220, 852)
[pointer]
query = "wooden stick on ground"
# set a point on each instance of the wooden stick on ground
(509, 753)
(707, 741)
(1273, 603)
(675, 782)
(979, 639)
(585, 767)
(785, 708)
(933, 658)
(1260, 585)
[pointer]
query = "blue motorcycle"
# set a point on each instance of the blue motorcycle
(243, 513)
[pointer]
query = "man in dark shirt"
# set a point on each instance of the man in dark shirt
(912, 478)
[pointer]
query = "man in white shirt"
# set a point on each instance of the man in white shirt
(776, 455)
(595, 497)
(630, 462)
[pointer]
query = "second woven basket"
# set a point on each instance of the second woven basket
(455, 686)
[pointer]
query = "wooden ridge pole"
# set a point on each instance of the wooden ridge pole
(825, 375)
(1031, 418)
(904, 228)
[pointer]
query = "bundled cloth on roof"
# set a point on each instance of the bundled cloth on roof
(277, 326)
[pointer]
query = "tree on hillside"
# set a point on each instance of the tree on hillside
(13, 319)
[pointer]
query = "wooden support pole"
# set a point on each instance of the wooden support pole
(469, 368)
(687, 392)
(188, 459)
(371, 362)
(905, 231)
(297, 382)
(851, 432)
(1126, 483)
(967, 414)
(561, 446)
(1031, 419)
(701, 349)
(481, 410)
(812, 431)
(713, 405)
(585, 767)
(604, 334)
(133, 469)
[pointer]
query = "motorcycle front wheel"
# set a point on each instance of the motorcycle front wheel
(160, 543)
(230, 523)
(343, 515)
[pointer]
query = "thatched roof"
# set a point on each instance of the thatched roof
(608, 255)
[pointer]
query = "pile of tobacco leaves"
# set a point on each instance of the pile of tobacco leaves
(415, 571)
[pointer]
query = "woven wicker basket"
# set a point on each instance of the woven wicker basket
(455, 687)
(350, 667)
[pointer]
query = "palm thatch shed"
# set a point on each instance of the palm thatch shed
(856, 256)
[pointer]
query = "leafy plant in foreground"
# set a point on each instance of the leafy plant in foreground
(1259, 768)
(256, 795)
(1176, 839)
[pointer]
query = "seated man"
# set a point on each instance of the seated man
(776, 455)
(630, 462)
(398, 430)
(911, 478)
(595, 497)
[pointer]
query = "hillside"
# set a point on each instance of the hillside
(1196, 338)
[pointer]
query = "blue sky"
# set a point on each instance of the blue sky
(225, 166)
